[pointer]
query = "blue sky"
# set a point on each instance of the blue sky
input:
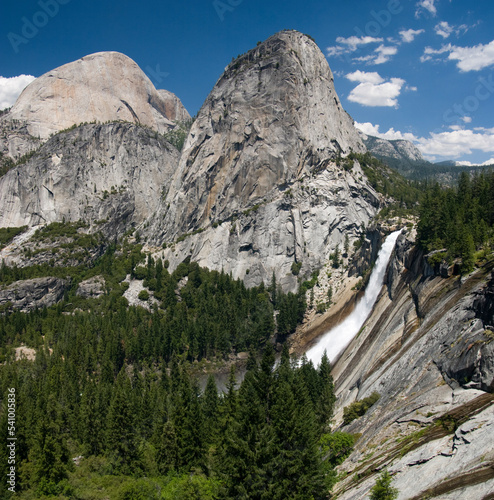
(417, 69)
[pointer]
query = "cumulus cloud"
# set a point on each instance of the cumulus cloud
(350, 44)
(10, 89)
(373, 90)
(365, 77)
(468, 58)
(456, 143)
(392, 134)
(448, 144)
(473, 58)
(383, 54)
(443, 29)
(470, 164)
(408, 36)
(427, 5)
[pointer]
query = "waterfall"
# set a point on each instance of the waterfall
(336, 339)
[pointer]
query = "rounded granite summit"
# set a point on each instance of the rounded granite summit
(101, 87)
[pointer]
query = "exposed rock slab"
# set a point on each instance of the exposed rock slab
(27, 295)
(407, 362)
(91, 288)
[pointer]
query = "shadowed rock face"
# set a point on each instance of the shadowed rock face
(174, 109)
(113, 173)
(27, 295)
(105, 86)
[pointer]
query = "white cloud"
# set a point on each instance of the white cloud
(465, 163)
(467, 119)
(450, 144)
(384, 54)
(365, 77)
(473, 58)
(443, 29)
(429, 52)
(350, 44)
(469, 58)
(380, 55)
(456, 143)
(427, 5)
(408, 36)
(373, 90)
(390, 135)
(10, 89)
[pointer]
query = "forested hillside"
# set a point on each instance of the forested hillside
(457, 221)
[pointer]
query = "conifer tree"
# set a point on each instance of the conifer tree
(325, 404)
(210, 409)
(167, 453)
(49, 455)
(121, 439)
(383, 490)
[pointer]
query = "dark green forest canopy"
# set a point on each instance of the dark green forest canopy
(196, 313)
(459, 219)
(110, 381)
(270, 434)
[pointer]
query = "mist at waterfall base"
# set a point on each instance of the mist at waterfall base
(336, 339)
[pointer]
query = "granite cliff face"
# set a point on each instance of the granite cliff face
(259, 185)
(112, 173)
(427, 349)
(259, 180)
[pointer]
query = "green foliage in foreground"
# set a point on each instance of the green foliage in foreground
(383, 490)
(358, 408)
(149, 432)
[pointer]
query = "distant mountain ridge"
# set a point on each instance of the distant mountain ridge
(403, 156)
(400, 154)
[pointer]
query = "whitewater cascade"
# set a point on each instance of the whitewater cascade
(336, 339)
